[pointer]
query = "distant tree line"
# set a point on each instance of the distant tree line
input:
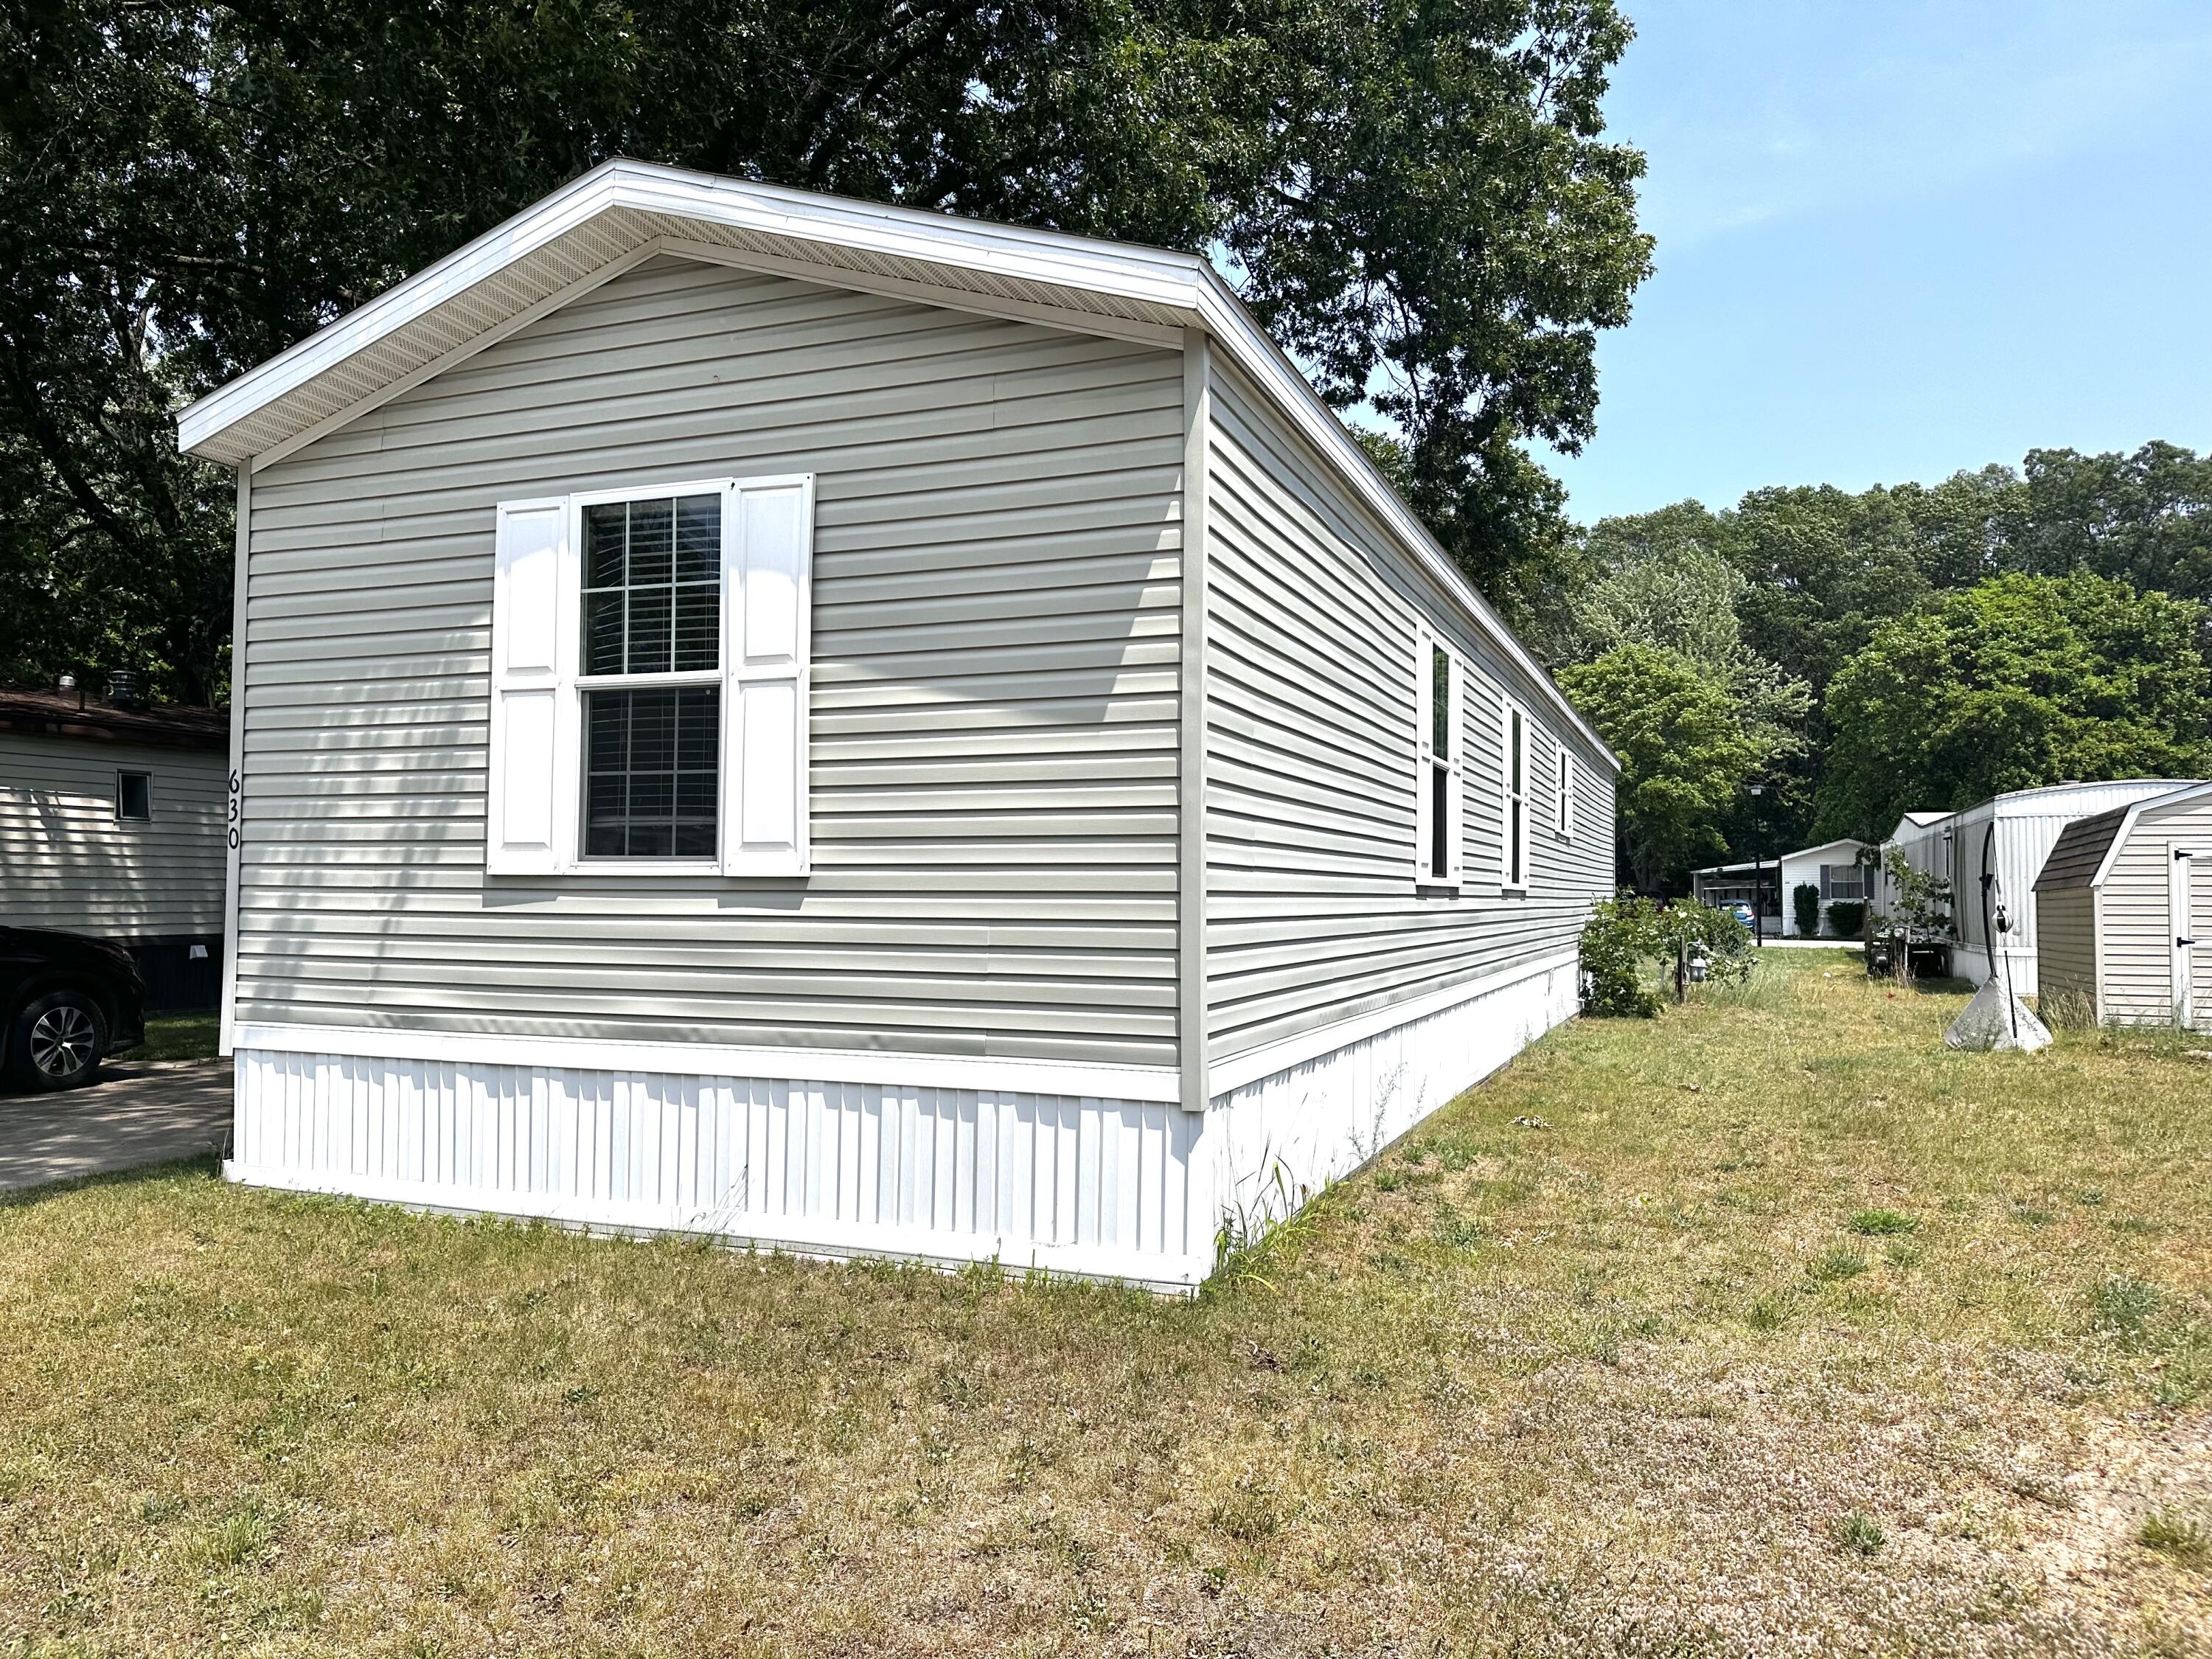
(1907, 647)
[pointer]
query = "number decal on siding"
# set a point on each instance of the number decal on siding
(237, 795)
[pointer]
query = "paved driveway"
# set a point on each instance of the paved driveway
(136, 1115)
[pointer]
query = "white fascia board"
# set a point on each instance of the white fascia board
(1149, 1084)
(1149, 275)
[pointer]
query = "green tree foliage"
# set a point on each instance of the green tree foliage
(1416, 198)
(1685, 748)
(2018, 682)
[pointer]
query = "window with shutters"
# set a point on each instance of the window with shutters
(650, 675)
(1513, 843)
(1439, 684)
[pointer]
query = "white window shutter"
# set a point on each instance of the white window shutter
(768, 588)
(523, 819)
(1424, 752)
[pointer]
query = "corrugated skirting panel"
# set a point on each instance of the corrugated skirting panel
(1273, 1143)
(1092, 1187)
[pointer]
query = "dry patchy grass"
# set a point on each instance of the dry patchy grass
(1789, 1331)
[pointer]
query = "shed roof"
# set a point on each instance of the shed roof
(623, 212)
(2079, 853)
(65, 714)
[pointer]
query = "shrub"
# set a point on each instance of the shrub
(1846, 917)
(1620, 936)
(1626, 933)
(1805, 904)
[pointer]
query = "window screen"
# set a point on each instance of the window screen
(134, 796)
(652, 772)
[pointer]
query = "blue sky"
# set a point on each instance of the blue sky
(1896, 239)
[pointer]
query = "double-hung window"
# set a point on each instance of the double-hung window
(650, 670)
(1439, 684)
(1566, 794)
(1513, 843)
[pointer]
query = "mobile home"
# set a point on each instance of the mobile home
(112, 825)
(805, 722)
(1837, 869)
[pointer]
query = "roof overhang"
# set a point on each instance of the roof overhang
(623, 212)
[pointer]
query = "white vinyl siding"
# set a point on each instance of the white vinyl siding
(69, 860)
(991, 679)
(1312, 799)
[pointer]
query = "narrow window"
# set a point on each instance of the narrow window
(134, 797)
(651, 655)
(1566, 802)
(1440, 764)
(1516, 850)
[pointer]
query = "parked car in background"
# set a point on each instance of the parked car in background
(1741, 912)
(68, 1001)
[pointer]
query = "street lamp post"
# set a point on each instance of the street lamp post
(1758, 872)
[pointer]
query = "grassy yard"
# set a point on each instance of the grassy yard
(1768, 1325)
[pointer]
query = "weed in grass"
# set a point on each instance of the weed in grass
(1902, 1255)
(1835, 1265)
(1455, 1231)
(1883, 1223)
(2121, 1308)
(1388, 1181)
(239, 1536)
(1766, 1314)
(2090, 1195)
(2031, 1215)
(2181, 1538)
(1859, 1533)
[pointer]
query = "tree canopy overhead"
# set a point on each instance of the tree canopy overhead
(1416, 197)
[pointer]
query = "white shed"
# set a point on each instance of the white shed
(2125, 917)
(1990, 854)
(804, 721)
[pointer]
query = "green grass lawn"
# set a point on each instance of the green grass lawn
(177, 1036)
(1769, 1322)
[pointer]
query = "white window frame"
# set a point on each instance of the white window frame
(569, 748)
(1566, 814)
(1514, 803)
(735, 669)
(1426, 766)
(122, 772)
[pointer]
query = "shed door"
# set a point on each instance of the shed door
(2180, 882)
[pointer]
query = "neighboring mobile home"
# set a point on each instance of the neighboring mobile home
(813, 723)
(1836, 868)
(2120, 906)
(110, 825)
(1990, 854)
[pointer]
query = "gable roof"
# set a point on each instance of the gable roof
(623, 212)
(2086, 848)
(1781, 858)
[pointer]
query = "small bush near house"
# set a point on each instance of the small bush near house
(1805, 904)
(1846, 917)
(1626, 933)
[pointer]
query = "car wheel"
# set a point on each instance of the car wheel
(58, 1040)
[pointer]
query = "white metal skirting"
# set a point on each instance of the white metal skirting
(1273, 1143)
(1082, 1186)
(1128, 1190)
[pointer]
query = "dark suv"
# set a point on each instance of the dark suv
(67, 1001)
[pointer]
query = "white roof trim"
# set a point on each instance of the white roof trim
(1781, 858)
(1037, 273)
(2136, 810)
